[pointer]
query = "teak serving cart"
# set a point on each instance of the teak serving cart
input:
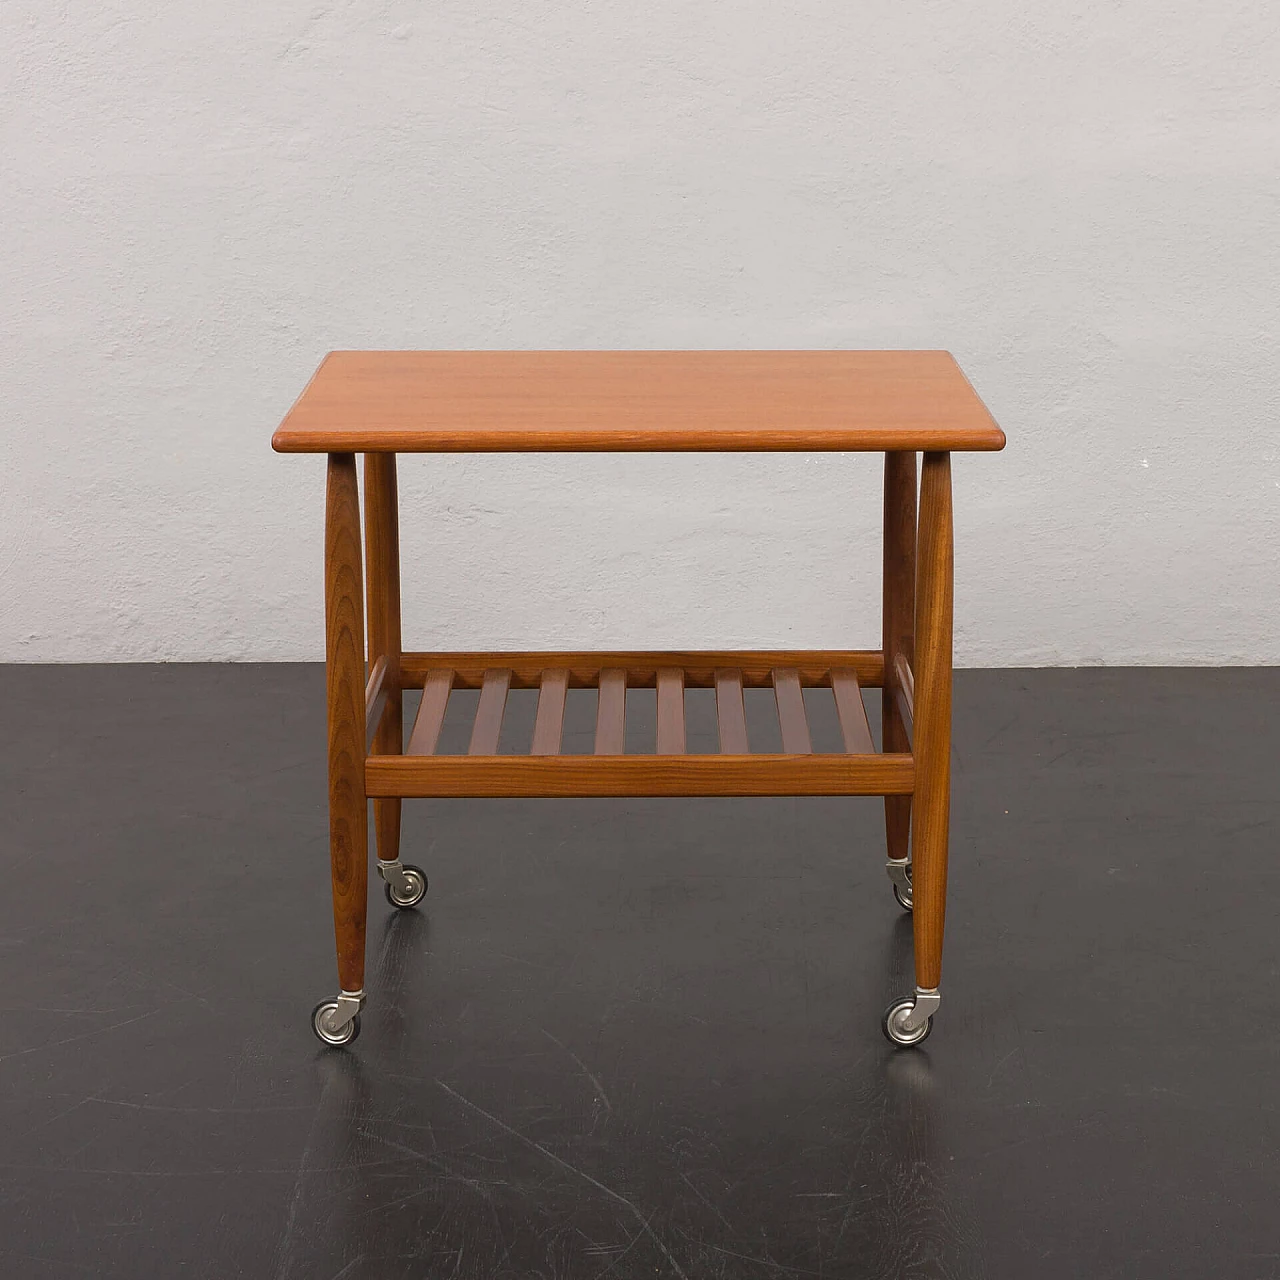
(381, 403)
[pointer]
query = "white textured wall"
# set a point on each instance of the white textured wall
(1081, 200)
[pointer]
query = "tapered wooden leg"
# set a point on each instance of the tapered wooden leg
(899, 626)
(345, 683)
(932, 715)
(382, 583)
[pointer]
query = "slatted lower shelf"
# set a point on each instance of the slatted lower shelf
(736, 771)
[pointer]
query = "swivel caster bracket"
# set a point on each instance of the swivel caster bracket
(338, 1021)
(406, 885)
(909, 1021)
(899, 870)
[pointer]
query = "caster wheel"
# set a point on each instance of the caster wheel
(320, 1017)
(904, 897)
(893, 1029)
(417, 889)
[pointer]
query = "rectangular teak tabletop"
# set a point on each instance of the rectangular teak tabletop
(633, 401)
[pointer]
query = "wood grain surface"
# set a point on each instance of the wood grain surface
(932, 733)
(502, 401)
(549, 725)
(792, 720)
(493, 702)
(345, 698)
(436, 687)
(852, 711)
(382, 586)
(898, 627)
(375, 698)
(640, 775)
(611, 713)
(905, 683)
(731, 716)
(670, 734)
(756, 666)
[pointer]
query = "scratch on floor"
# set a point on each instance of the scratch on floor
(443, 1169)
(995, 1071)
(765, 1262)
(75, 1106)
(211, 1111)
(43, 1008)
(644, 1230)
(284, 1254)
(520, 960)
(564, 1164)
(148, 981)
(87, 1035)
(856, 1164)
(685, 1177)
(595, 1081)
(337, 1275)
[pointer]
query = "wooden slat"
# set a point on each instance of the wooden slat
(375, 697)
(549, 725)
(611, 713)
(493, 702)
(671, 738)
(852, 711)
(730, 713)
(905, 718)
(814, 666)
(904, 696)
(430, 718)
(906, 681)
(621, 775)
(791, 717)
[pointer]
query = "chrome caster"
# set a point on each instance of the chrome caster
(909, 1021)
(899, 870)
(337, 1022)
(406, 886)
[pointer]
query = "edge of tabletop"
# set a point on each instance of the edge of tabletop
(990, 439)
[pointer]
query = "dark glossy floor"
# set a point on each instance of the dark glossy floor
(640, 1038)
